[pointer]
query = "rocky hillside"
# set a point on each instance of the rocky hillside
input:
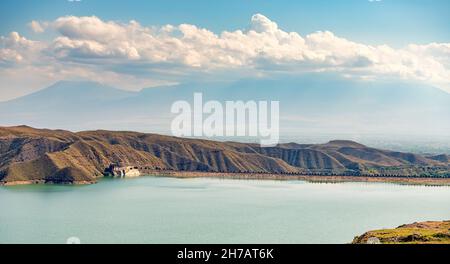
(416, 233)
(57, 156)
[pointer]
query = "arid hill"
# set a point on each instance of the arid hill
(30, 155)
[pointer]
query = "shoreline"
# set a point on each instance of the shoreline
(309, 178)
(43, 182)
(259, 176)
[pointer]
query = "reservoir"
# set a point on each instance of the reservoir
(205, 210)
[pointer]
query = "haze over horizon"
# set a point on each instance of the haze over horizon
(310, 111)
(358, 68)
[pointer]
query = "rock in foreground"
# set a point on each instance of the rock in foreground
(416, 233)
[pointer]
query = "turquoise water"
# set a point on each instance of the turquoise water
(169, 210)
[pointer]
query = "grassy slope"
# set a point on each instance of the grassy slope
(417, 233)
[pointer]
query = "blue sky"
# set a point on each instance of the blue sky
(393, 22)
(136, 44)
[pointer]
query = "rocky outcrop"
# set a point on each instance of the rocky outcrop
(117, 170)
(28, 154)
(416, 233)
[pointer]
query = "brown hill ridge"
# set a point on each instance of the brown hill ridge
(29, 155)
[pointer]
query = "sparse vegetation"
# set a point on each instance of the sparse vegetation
(416, 233)
(29, 155)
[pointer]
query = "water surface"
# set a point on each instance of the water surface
(169, 210)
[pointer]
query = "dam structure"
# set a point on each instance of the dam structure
(121, 171)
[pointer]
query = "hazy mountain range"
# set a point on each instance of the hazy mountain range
(308, 103)
(310, 106)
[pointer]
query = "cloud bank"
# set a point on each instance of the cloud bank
(109, 51)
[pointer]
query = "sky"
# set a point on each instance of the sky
(393, 22)
(135, 44)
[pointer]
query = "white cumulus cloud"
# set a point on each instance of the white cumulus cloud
(261, 48)
(36, 26)
(15, 49)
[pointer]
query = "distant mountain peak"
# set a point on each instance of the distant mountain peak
(67, 91)
(346, 143)
(307, 105)
(68, 82)
(73, 84)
